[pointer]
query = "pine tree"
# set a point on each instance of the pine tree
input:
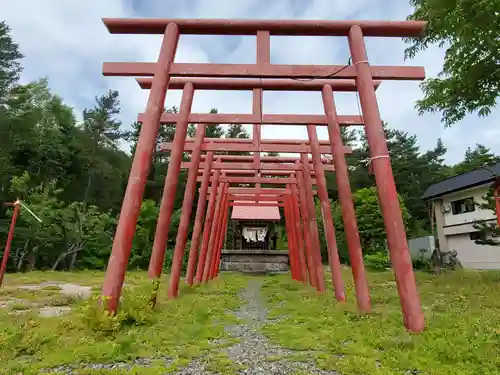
(10, 66)
(237, 131)
(478, 157)
(489, 232)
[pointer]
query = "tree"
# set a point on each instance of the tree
(159, 165)
(470, 78)
(370, 220)
(478, 157)
(237, 131)
(37, 134)
(272, 153)
(144, 235)
(103, 129)
(414, 171)
(66, 229)
(212, 131)
(101, 122)
(489, 232)
(10, 66)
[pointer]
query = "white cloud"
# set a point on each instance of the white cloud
(67, 42)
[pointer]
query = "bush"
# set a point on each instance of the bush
(135, 310)
(422, 263)
(377, 261)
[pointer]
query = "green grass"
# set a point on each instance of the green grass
(85, 278)
(462, 335)
(26, 294)
(179, 329)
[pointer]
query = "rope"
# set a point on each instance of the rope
(377, 157)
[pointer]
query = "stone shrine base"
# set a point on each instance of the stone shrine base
(255, 261)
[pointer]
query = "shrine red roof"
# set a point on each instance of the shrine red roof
(255, 213)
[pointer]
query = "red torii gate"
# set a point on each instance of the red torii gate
(360, 71)
(288, 200)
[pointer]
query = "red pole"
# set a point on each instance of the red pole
(125, 230)
(305, 226)
(295, 236)
(8, 244)
(326, 213)
(224, 234)
(313, 226)
(213, 234)
(290, 239)
(263, 58)
(219, 232)
(171, 180)
(207, 228)
(187, 207)
(293, 228)
(496, 193)
(346, 203)
(300, 239)
(387, 195)
(198, 221)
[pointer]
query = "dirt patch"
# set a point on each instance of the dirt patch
(44, 304)
(67, 289)
(50, 311)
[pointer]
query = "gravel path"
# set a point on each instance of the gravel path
(254, 351)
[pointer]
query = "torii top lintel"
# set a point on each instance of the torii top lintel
(275, 27)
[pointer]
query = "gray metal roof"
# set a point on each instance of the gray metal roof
(463, 181)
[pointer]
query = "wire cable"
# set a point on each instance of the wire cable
(327, 75)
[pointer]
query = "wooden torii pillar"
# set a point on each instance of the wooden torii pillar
(257, 194)
(360, 71)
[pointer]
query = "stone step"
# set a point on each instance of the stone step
(267, 267)
(255, 258)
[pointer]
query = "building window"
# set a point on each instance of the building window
(463, 205)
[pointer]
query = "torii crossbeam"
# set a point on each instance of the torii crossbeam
(261, 76)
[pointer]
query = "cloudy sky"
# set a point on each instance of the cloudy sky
(66, 41)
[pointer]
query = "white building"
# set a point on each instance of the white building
(455, 201)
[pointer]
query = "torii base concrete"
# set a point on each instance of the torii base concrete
(255, 261)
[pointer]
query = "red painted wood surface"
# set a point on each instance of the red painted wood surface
(125, 230)
(275, 27)
(178, 83)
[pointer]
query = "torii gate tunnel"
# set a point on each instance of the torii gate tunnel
(294, 176)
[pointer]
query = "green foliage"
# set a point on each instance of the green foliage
(135, 310)
(101, 122)
(489, 232)
(237, 131)
(9, 60)
(469, 81)
(479, 157)
(414, 171)
(212, 131)
(370, 220)
(272, 153)
(378, 261)
(66, 230)
(144, 235)
(422, 263)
